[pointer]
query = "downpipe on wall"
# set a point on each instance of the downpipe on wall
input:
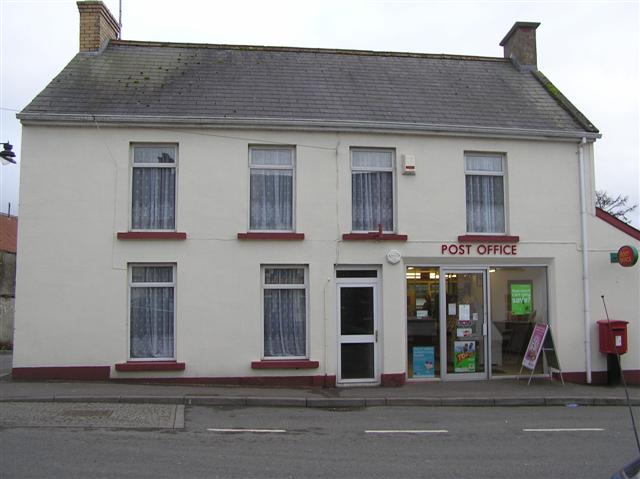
(585, 261)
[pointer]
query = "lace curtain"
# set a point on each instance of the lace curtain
(153, 192)
(152, 312)
(271, 185)
(284, 313)
(485, 195)
(372, 190)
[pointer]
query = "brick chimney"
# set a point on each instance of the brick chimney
(97, 25)
(520, 45)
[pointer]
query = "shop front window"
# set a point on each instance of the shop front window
(423, 317)
(518, 302)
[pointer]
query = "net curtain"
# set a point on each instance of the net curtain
(153, 193)
(152, 314)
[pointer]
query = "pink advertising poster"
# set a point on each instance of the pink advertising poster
(535, 346)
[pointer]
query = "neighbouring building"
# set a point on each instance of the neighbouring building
(275, 215)
(8, 243)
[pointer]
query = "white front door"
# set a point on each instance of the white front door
(357, 331)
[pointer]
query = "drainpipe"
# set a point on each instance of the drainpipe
(585, 262)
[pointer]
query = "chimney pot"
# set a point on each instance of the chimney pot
(97, 25)
(520, 45)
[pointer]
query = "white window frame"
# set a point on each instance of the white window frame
(264, 286)
(391, 169)
(134, 165)
(132, 285)
(502, 173)
(292, 168)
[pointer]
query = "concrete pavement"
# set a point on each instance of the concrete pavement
(498, 392)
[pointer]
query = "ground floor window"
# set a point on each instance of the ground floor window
(518, 301)
(472, 322)
(152, 311)
(284, 291)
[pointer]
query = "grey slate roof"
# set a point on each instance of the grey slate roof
(233, 84)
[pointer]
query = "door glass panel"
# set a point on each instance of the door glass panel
(423, 322)
(465, 312)
(518, 301)
(356, 310)
(357, 360)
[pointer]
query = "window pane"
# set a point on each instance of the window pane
(271, 199)
(284, 276)
(484, 163)
(356, 310)
(372, 200)
(372, 159)
(271, 157)
(151, 314)
(284, 322)
(357, 360)
(153, 198)
(152, 274)
(154, 154)
(485, 204)
(351, 273)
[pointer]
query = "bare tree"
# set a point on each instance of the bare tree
(614, 206)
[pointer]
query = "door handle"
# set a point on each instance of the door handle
(376, 335)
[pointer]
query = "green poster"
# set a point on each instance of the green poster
(521, 299)
(464, 356)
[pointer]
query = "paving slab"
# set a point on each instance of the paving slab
(91, 415)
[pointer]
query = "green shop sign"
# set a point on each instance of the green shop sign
(521, 299)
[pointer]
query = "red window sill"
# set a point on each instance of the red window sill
(271, 236)
(152, 235)
(285, 364)
(488, 239)
(374, 236)
(132, 366)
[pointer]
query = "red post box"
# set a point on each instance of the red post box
(613, 336)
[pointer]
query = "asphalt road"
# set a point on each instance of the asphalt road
(384, 442)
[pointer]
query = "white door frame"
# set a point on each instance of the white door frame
(364, 338)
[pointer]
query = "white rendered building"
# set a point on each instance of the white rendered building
(258, 215)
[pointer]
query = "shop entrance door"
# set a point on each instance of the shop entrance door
(357, 331)
(463, 309)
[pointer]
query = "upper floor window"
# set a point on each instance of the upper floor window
(153, 192)
(371, 190)
(484, 178)
(271, 186)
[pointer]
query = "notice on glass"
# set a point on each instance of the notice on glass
(421, 314)
(452, 309)
(464, 332)
(464, 356)
(521, 299)
(465, 312)
(423, 362)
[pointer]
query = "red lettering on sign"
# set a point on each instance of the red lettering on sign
(481, 249)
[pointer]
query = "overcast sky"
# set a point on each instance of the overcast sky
(588, 49)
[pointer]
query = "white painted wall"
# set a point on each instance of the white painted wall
(71, 307)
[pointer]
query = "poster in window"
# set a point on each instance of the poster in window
(464, 356)
(521, 298)
(464, 332)
(424, 362)
(465, 312)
